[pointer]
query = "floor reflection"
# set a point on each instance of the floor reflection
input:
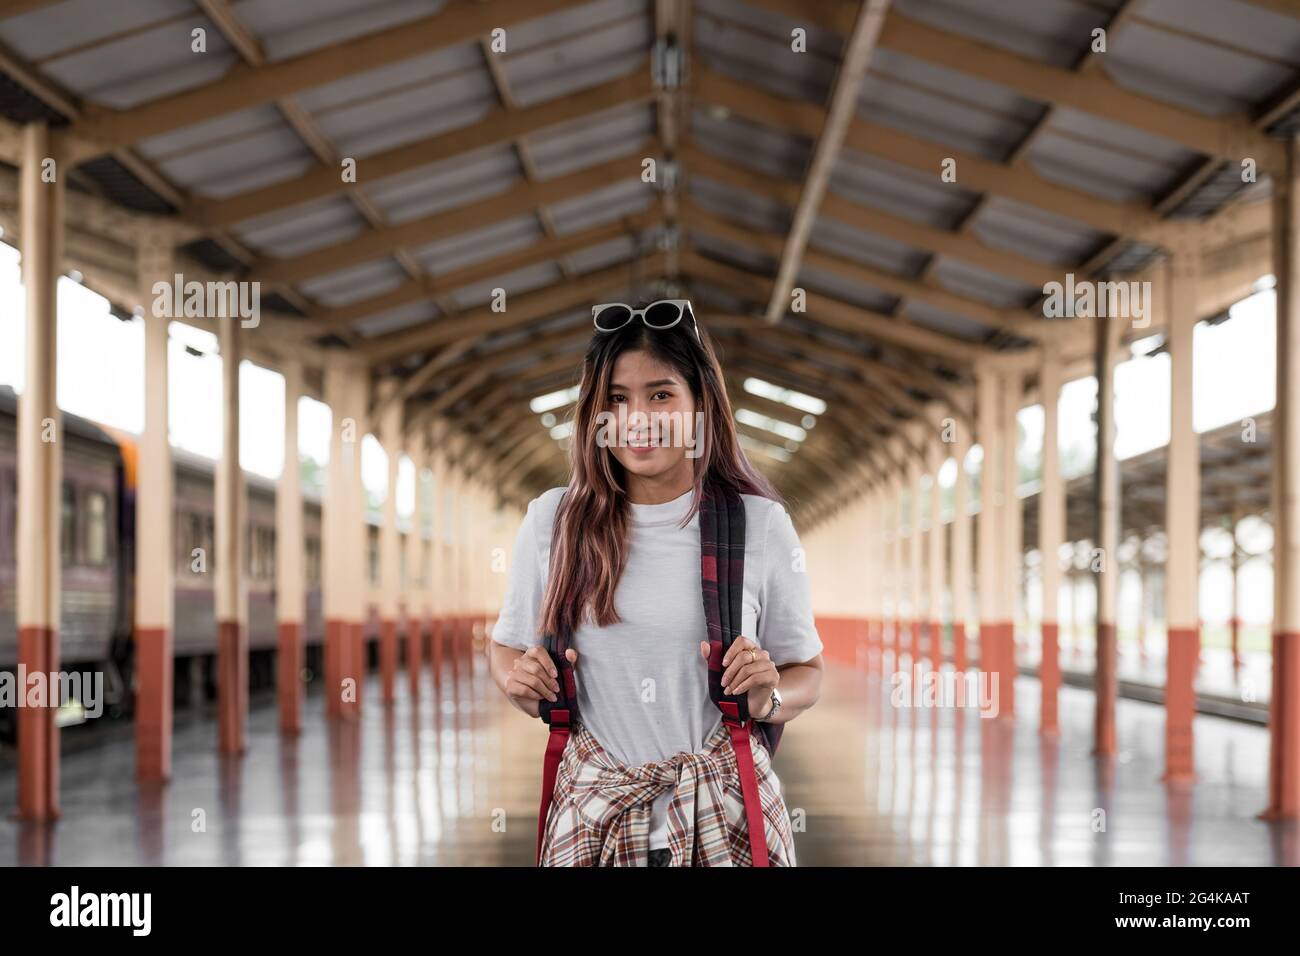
(450, 776)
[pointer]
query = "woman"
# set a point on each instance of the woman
(613, 561)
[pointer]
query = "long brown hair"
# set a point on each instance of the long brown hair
(589, 543)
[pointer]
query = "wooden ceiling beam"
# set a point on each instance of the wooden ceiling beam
(520, 310)
(343, 317)
(499, 126)
(847, 87)
(441, 225)
(244, 87)
(1092, 92)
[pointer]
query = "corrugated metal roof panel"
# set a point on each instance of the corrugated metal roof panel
(855, 245)
(328, 222)
(518, 282)
(355, 284)
(603, 205)
(1033, 233)
(465, 249)
(488, 242)
(451, 184)
(135, 68)
(288, 30)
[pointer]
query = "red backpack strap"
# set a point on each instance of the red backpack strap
(722, 577)
(561, 716)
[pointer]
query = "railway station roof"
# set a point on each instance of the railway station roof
(922, 169)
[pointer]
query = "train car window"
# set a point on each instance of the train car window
(313, 560)
(8, 513)
(209, 541)
(189, 538)
(68, 525)
(96, 531)
(374, 556)
(270, 553)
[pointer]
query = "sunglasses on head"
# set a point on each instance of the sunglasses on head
(664, 314)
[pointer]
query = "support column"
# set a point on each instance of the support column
(1144, 602)
(1051, 532)
(416, 603)
(916, 561)
(899, 572)
(1107, 538)
(1012, 523)
(1182, 521)
(390, 543)
(334, 511)
(938, 556)
(359, 536)
(437, 554)
(232, 598)
(1234, 622)
(987, 395)
(1284, 708)
(40, 472)
(154, 553)
(451, 590)
(290, 576)
(961, 550)
(875, 547)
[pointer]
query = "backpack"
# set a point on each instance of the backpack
(722, 576)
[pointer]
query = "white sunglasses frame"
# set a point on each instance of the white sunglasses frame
(683, 307)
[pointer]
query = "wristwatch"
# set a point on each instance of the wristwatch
(776, 705)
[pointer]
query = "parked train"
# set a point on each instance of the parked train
(98, 556)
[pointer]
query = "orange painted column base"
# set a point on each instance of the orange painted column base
(1007, 661)
(1284, 730)
(1049, 674)
(288, 676)
(1106, 685)
(987, 647)
(357, 662)
(1184, 645)
(153, 703)
(232, 687)
(959, 646)
(915, 627)
(437, 638)
(38, 734)
(414, 653)
(388, 658)
(935, 631)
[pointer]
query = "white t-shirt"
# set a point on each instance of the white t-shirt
(643, 688)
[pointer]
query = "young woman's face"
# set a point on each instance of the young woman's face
(651, 415)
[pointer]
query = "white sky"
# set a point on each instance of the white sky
(101, 377)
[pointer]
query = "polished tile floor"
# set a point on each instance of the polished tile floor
(868, 783)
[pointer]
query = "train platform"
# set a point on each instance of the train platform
(452, 778)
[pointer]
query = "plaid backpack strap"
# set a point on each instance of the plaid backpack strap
(560, 716)
(722, 576)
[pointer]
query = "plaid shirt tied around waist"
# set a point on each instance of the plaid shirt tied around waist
(600, 814)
